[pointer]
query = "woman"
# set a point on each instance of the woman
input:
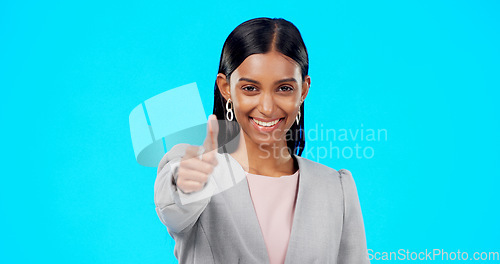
(280, 207)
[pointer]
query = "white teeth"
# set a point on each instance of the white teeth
(266, 124)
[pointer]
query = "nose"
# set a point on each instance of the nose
(266, 104)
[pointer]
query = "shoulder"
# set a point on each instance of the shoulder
(309, 165)
(343, 175)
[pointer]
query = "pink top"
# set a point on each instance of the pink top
(274, 202)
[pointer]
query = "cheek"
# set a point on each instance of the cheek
(292, 110)
(290, 107)
(241, 111)
(242, 105)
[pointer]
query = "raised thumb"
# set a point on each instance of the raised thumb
(212, 133)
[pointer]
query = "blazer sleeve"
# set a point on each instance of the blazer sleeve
(353, 241)
(176, 216)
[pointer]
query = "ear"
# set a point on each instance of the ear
(305, 87)
(223, 84)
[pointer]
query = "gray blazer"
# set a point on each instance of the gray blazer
(223, 228)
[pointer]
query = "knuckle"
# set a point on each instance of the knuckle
(191, 148)
(199, 185)
(180, 171)
(191, 151)
(210, 157)
(203, 178)
(210, 168)
(193, 187)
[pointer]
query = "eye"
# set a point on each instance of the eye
(249, 88)
(286, 88)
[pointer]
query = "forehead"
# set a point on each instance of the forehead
(271, 65)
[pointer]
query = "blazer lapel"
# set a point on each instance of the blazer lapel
(304, 219)
(241, 206)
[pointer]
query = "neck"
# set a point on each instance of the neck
(272, 160)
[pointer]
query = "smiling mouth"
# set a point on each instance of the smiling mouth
(268, 124)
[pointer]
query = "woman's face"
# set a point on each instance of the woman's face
(267, 91)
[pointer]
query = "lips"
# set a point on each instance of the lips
(265, 125)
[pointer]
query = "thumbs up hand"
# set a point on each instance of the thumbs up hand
(199, 161)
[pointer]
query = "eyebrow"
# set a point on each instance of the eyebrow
(256, 82)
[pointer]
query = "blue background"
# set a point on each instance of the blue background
(71, 72)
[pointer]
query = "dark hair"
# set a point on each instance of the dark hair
(257, 36)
